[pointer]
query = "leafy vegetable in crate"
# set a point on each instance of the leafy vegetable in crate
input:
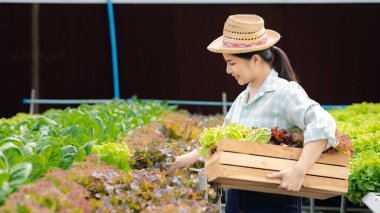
(293, 137)
(261, 135)
(344, 147)
(210, 136)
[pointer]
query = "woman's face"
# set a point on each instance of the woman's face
(243, 70)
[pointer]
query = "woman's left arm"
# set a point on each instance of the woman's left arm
(292, 178)
(298, 109)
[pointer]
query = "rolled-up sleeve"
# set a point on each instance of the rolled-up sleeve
(307, 114)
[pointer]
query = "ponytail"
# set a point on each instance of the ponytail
(282, 65)
(277, 59)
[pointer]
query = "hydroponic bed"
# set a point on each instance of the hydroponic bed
(112, 158)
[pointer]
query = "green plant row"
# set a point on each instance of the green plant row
(361, 122)
(93, 186)
(57, 138)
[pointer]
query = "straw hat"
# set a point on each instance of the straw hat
(242, 34)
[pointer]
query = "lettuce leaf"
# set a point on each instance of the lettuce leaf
(116, 154)
(261, 135)
(361, 123)
(210, 136)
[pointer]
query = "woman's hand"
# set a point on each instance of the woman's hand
(291, 179)
(183, 160)
(178, 163)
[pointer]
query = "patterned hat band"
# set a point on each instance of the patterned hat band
(241, 45)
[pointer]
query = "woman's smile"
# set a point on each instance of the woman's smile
(236, 77)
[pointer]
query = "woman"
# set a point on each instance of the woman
(273, 98)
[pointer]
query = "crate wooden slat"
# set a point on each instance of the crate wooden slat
(279, 152)
(244, 165)
(261, 162)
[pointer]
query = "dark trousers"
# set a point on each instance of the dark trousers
(257, 202)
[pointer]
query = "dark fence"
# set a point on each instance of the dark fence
(162, 51)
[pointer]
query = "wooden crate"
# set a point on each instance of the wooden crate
(244, 165)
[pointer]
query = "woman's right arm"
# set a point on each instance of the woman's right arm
(185, 159)
(193, 156)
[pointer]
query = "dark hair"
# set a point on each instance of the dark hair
(277, 59)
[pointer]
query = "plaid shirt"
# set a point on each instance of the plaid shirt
(280, 103)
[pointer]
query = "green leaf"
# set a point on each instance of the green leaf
(39, 166)
(53, 132)
(12, 139)
(44, 131)
(80, 155)
(88, 147)
(68, 154)
(5, 190)
(369, 186)
(4, 176)
(26, 149)
(91, 130)
(24, 129)
(100, 122)
(58, 140)
(19, 174)
(72, 130)
(261, 135)
(69, 140)
(55, 155)
(294, 128)
(3, 162)
(41, 121)
(12, 153)
(46, 151)
(116, 154)
(54, 159)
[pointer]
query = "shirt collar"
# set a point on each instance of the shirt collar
(268, 85)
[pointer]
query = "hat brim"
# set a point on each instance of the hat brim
(217, 45)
